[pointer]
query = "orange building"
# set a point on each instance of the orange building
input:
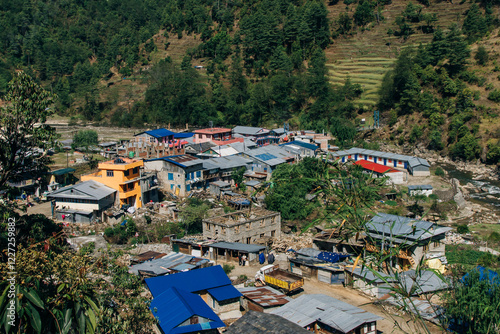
(122, 174)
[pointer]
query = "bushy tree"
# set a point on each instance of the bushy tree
(481, 55)
(85, 138)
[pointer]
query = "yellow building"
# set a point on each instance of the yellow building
(122, 174)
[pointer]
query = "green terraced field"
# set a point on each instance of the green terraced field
(366, 71)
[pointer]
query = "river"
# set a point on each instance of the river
(489, 188)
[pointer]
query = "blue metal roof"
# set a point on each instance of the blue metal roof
(175, 306)
(302, 144)
(183, 135)
(224, 292)
(191, 281)
(266, 156)
(160, 133)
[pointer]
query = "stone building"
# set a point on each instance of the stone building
(245, 226)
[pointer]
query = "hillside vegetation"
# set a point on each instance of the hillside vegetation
(429, 66)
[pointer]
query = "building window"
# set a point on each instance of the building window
(262, 235)
(194, 320)
(170, 176)
(236, 229)
(426, 247)
(436, 244)
(208, 227)
(198, 174)
(136, 170)
(171, 187)
(249, 240)
(110, 173)
(273, 233)
(126, 172)
(390, 160)
(188, 187)
(130, 186)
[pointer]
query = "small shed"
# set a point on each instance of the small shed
(230, 251)
(262, 299)
(370, 282)
(421, 189)
(217, 188)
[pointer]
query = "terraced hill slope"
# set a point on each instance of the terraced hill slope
(369, 52)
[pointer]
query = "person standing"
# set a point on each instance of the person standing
(243, 260)
(239, 259)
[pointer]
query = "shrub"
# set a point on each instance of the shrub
(228, 268)
(494, 236)
(439, 171)
(462, 229)
(494, 95)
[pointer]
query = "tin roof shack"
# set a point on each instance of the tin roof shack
(244, 226)
(82, 203)
(378, 284)
(211, 284)
(191, 246)
(219, 136)
(300, 148)
(317, 265)
(178, 174)
(222, 169)
(168, 264)
(260, 136)
(328, 315)
(415, 166)
(370, 282)
(421, 189)
(230, 251)
(147, 256)
(395, 176)
(262, 299)
(266, 159)
(417, 238)
(257, 323)
(219, 187)
(179, 311)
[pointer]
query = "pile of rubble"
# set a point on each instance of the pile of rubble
(291, 241)
(453, 238)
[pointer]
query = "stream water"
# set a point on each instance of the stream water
(489, 188)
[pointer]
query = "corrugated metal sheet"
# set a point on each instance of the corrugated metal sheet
(224, 292)
(191, 281)
(237, 246)
(339, 315)
(186, 305)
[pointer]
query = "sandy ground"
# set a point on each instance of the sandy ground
(43, 208)
(348, 295)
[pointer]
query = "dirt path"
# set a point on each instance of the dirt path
(348, 295)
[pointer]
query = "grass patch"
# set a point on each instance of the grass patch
(469, 256)
(391, 203)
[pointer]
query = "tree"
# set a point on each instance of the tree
(85, 138)
(192, 215)
(364, 13)
(475, 25)
(24, 136)
(472, 305)
(481, 56)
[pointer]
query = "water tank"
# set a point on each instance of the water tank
(131, 154)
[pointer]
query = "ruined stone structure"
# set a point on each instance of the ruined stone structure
(245, 226)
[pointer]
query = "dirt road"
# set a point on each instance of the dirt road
(348, 295)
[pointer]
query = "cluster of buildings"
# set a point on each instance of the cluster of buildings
(191, 293)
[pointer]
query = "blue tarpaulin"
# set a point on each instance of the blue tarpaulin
(262, 258)
(331, 257)
(484, 274)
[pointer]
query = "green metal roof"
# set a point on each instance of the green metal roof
(63, 171)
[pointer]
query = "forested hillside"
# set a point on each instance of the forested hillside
(430, 67)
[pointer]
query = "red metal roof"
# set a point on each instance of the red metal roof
(374, 167)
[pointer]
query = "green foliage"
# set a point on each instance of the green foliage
(473, 304)
(493, 155)
(121, 234)
(192, 215)
(364, 13)
(238, 177)
(494, 95)
(475, 24)
(85, 138)
(228, 268)
(26, 104)
(463, 254)
(463, 229)
(481, 55)
(467, 147)
(439, 172)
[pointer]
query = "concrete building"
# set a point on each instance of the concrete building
(123, 175)
(217, 188)
(82, 203)
(197, 149)
(61, 178)
(417, 238)
(421, 189)
(244, 226)
(153, 144)
(325, 314)
(415, 166)
(178, 174)
(219, 136)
